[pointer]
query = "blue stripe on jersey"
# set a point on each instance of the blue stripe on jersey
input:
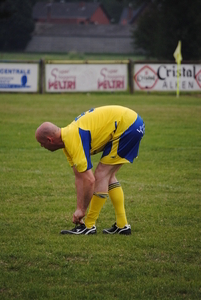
(85, 136)
(115, 126)
(107, 149)
(108, 146)
(130, 140)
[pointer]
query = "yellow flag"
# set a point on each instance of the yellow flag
(177, 54)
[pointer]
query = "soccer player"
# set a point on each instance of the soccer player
(115, 131)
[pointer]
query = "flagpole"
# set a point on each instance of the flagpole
(178, 77)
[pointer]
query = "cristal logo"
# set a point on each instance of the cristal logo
(198, 78)
(146, 78)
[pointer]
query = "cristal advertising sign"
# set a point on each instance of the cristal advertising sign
(86, 77)
(18, 77)
(163, 77)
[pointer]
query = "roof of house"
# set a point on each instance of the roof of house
(67, 10)
(131, 17)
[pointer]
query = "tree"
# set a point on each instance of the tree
(16, 24)
(165, 23)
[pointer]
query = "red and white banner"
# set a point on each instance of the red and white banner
(85, 78)
(163, 77)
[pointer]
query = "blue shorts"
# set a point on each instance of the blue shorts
(125, 149)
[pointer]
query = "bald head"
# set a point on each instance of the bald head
(49, 136)
(46, 129)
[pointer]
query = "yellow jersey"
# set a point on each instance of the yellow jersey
(91, 131)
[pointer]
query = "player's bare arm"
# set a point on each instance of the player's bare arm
(84, 183)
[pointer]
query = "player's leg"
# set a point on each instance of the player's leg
(103, 173)
(125, 149)
(116, 195)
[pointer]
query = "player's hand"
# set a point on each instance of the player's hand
(78, 216)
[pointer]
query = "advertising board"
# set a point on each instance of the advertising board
(163, 77)
(85, 77)
(18, 77)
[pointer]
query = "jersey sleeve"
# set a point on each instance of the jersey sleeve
(82, 155)
(78, 153)
(68, 157)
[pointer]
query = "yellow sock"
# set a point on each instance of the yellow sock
(97, 202)
(117, 197)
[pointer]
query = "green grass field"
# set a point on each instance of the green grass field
(160, 260)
